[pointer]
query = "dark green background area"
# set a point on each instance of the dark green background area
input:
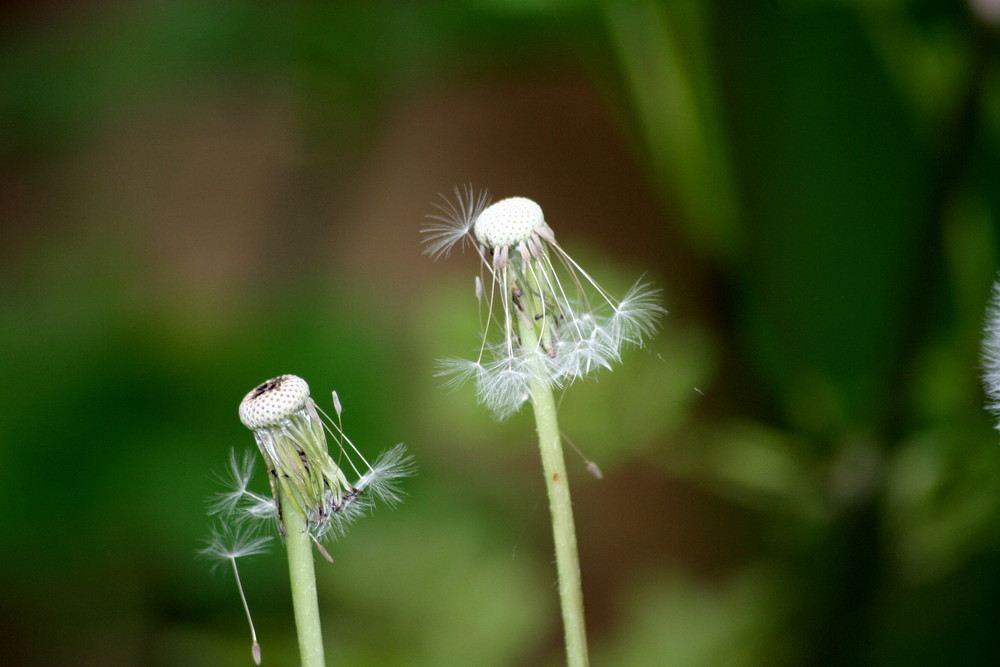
(196, 197)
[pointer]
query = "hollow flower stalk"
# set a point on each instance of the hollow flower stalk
(313, 497)
(547, 324)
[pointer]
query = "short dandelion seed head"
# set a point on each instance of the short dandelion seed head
(274, 401)
(508, 222)
(291, 433)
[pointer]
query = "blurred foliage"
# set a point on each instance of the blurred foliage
(798, 471)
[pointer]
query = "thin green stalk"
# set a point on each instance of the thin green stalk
(561, 509)
(303, 582)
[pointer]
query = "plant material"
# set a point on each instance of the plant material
(547, 324)
(991, 354)
(312, 496)
(225, 545)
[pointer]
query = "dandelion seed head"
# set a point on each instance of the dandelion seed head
(509, 222)
(274, 401)
(546, 319)
(292, 433)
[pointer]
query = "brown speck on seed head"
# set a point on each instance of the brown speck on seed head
(265, 387)
(555, 477)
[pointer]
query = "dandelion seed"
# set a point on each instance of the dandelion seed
(578, 325)
(454, 220)
(592, 467)
(321, 549)
(229, 543)
(238, 477)
(226, 545)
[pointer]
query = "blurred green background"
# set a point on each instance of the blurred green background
(198, 196)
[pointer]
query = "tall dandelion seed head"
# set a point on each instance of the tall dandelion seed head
(533, 290)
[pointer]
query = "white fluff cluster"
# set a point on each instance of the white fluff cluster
(991, 354)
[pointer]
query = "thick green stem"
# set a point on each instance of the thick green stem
(561, 509)
(303, 582)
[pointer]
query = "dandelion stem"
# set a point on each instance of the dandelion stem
(561, 510)
(303, 582)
